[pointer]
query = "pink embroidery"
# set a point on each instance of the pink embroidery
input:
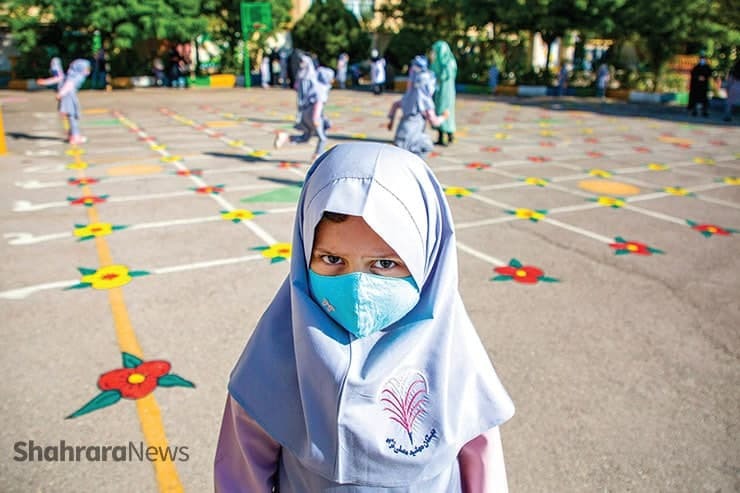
(406, 402)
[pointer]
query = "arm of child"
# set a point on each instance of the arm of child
(246, 456)
(482, 464)
(49, 81)
(435, 120)
(392, 113)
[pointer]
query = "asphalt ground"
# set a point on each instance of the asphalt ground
(612, 319)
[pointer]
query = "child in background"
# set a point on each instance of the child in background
(365, 373)
(325, 76)
(69, 104)
(311, 98)
(377, 72)
(342, 63)
(417, 107)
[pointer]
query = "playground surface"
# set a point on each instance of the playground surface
(599, 251)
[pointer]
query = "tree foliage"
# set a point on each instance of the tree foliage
(345, 35)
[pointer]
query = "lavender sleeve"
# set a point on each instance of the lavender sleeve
(246, 456)
(481, 462)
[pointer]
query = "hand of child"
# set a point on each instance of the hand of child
(446, 114)
(390, 124)
(58, 96)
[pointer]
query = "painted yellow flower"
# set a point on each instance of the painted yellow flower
(530, 214)
(508, 126)
(678, 191)
(731, 180)
(75, 151)
(547, 133)
(610, 202)
(277, 251)
(501, 136)
(704, 160)
(536, 181)
(157, 147)
(237, 215)
(587, 131)
(359, 136)
(545, 124)
(110, 276)
(657, 167)
(259, 153)
(171, 159)
(94, 229)
(601, 173)
(77, 165)
(236, 143)
(457, 191)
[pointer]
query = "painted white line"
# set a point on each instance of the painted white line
(482, 256)
(485, 222)
(30, 239)
(206, 264)
(655, 214)
(578, 230)
(20, 293)
(712, 200)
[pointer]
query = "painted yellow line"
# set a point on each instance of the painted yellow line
(150, 416)
(3, 147)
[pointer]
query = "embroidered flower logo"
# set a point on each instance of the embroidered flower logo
(405, 401)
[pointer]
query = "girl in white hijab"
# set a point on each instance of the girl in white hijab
(365, 374)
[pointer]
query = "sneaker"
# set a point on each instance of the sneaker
(280, 139)
(77, 139)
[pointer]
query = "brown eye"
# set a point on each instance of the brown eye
(385, 264)
(331, 259)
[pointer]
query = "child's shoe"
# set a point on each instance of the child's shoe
(77, 139)
(280, 139)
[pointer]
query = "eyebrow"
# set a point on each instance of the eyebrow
(380, 255)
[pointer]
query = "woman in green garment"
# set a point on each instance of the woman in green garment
(444, 67)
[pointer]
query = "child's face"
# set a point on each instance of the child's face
(352, 246)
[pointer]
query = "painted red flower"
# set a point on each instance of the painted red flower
(83, 181)
(538, 159)
(87, 200)
(216, 135)
(594, 154)
(624, 247)
(137, 382)
(490, 149)
(547, 143)
(641, 149)
(591, 140)
(709, 230)
(214, 189)
(477, 165)
(189, 172)
(525, 274)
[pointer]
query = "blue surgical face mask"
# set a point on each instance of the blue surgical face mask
(364, 303)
